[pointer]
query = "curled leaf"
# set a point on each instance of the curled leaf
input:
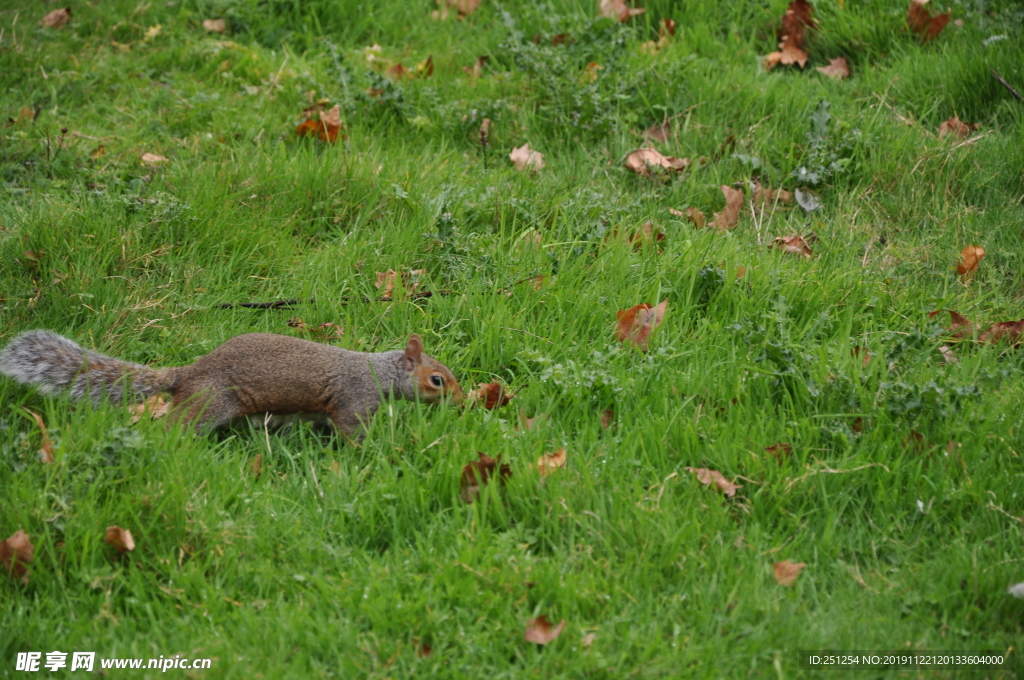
(837, 69)
(957, 128)
(493, 395)
(326, 129)
(152, 159)
(780, 451)
(215, 25)
(524, 158)
(794, 245)
(549, 462)
(120, 538)
(714, 477)
(541, 631)
(58, 18)
(923, 23)
(636, 324)
(786, 572)
(478, 473)
(730, 217)
(642, 161)
(1004, 331)
(16, 554)
(970, 258)
(618, 10)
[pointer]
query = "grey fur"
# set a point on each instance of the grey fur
(55, 365)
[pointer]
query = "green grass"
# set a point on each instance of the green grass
(338, 556)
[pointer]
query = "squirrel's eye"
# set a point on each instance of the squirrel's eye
(436, 380)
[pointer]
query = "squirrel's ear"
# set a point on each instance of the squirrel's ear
(414, 350)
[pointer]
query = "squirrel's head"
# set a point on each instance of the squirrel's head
(432, 379)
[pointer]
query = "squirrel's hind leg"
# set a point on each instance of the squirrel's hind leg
(208, 410)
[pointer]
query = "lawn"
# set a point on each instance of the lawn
(855, 432)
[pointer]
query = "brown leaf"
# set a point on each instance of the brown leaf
(767, 199)
(462, 8)
(541, 631)
(659, 133)
(256, 466)
(730, 217)
(780, 451)
(99, 152)
(960, 326)
(837, 69)
(590, 72)
(549, 462)
(618, 10)
(636, 324)
(425, 68)
(923, 23)
(915, 442)
(478, 68)
(861, 352)
(387, 280)
(493, 395)
(642, 161)
(215, 25)
(786, 572)
(120, 538)
(948, 355)
(525, 158)
(423, 648)
(16, 554)
(58, 18)
(327, 129)
(528, 423)
(794, 245)
(1009, 331)
(152, 159)
(708, 477)
(607, 418)
(647, 233)
(696, 217)
(479, 473)
(956, 127)
(156, 405)
(787, 55)
(45, 446)
(970, 258)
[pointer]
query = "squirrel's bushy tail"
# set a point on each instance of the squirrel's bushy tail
(54, 364)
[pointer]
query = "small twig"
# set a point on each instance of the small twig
(1006, 84)
(993, 506)
(829, 470)
(277, 304)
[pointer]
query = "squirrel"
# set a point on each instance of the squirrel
(255, 375)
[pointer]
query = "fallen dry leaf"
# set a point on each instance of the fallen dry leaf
(948, 355)
(540, 630)
(636, 324)
(549, 462)
(256, 466)
(16, 554)
(525, 158)
(397, 72)
(1009, 331)
(780, 451)
(326, 129)
(589, 638)
(58, 18)
(152, 159)
(387, 280)
(647, 233)
(462, 8)
(666, 30)
(618, 10)
(425, 68)
(837, 69)
(526, 423)
(767, 199)
(956, 127)
(423, 648)
(156, 405)
(792, 36)
(215, 25)
(862, 353)
(923, 23)
(659, 133)
(120, 538)
(915, 442)
(695, 216)
(478, 68)
(708, 477)
(479, 473)
(960, 326)
(99, 152)
(730, 217)
(970, 258)
(493, 395)
(786, 572)
(45, 445)
(642, 161)
(794, 245)
(607, 418)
